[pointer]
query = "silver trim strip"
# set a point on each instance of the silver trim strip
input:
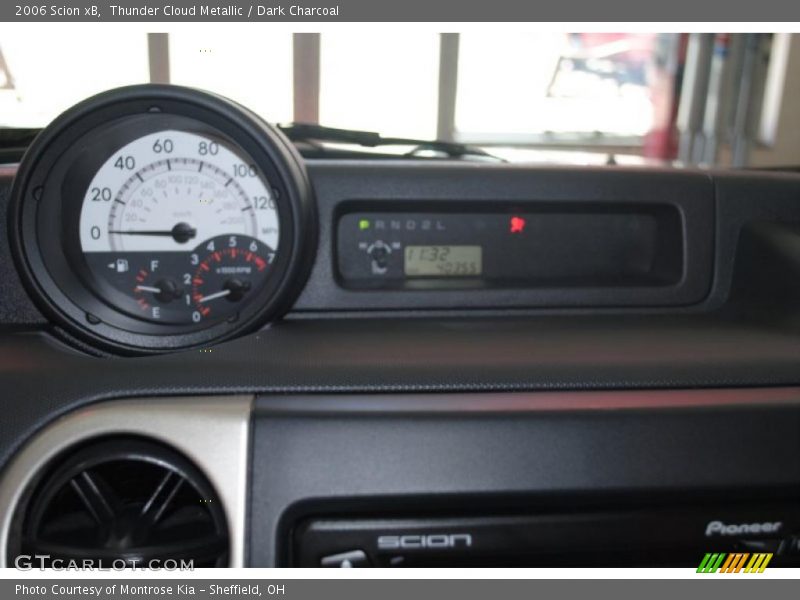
(212, 431)
(527, 402)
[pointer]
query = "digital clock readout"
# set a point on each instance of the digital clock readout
(443, 261)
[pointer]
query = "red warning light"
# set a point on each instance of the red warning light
(516, 225)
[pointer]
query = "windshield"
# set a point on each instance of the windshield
(700, 99)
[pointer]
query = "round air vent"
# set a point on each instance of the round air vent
(122, 501)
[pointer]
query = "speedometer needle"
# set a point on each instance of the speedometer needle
(181, 233)
(221, 294)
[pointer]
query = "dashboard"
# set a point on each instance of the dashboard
(387, 362)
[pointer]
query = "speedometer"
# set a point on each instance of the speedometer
(159, 217)
(181, 227)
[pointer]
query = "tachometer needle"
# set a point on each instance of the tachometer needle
(148, 288)
(214, 296)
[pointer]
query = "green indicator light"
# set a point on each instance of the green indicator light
(363, 224)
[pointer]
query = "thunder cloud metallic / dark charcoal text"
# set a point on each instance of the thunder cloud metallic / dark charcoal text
(228, 10)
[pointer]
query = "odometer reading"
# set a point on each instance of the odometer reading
(179, 228)
(443, 261)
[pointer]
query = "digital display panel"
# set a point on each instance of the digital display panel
(443, 261)
(554, 247)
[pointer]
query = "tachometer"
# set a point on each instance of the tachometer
(159, 217)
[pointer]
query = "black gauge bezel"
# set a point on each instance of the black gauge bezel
(51, 183)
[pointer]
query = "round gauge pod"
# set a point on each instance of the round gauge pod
(152, 218)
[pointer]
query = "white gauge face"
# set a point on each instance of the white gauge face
(179, 228)
(170, 191)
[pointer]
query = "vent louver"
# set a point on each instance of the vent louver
(123, 501)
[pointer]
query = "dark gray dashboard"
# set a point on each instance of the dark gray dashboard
(733, 324)
(714, 209)
(467, 340)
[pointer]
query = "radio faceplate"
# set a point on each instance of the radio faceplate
(654, 537)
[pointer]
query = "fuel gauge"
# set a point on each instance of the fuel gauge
(158, 295)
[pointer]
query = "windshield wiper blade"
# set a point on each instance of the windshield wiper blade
(13, 143)
(310, 133)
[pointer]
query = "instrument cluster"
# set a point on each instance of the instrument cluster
(158, 217)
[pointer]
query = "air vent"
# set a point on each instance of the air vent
(121, 501)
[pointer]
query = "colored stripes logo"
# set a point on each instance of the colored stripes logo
(734, 563)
